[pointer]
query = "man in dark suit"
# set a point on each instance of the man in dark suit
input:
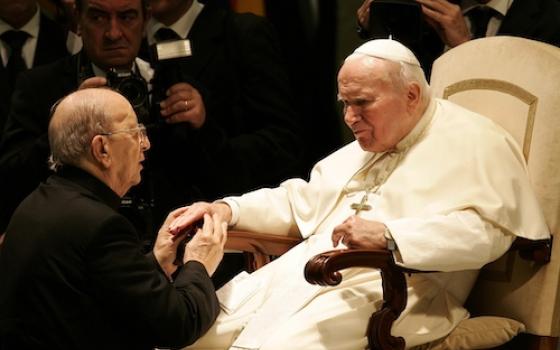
(24, 148)
(233, 106)
(451, 23)
(42, 41)
(73, 275)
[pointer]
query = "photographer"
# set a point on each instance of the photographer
(448, 23)
(111, 31)
(228, 102)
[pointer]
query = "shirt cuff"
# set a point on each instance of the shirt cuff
(234, 206)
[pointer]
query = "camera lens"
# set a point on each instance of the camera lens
(134, 90)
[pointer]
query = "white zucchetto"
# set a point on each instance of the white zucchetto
(388, 49)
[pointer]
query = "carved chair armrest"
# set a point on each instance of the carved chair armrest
(323, 269)
(259, 248)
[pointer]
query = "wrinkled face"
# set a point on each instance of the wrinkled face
(169, 11)
(127, 148)
(112, 31)
(375, 110)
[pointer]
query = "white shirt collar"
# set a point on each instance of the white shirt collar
(28, 49)
(181, 27)
(501, 6)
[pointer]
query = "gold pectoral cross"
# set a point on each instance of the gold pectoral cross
(363, 206)
(358, 207)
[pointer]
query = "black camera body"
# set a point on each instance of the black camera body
(134, 88)
(131, 86)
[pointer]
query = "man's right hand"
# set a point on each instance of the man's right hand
(93, 82)
(195, 212)
(207, 245)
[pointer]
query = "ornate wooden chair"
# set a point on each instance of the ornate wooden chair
(515, 82)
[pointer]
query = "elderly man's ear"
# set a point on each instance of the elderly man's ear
(414, 95)
(100, 151)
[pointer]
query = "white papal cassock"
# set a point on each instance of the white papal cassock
(454, 195)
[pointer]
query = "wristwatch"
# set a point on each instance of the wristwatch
(391, 245)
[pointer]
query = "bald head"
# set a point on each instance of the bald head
(77, 119)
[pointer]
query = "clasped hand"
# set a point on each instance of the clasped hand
(206, 246)
(357, 233)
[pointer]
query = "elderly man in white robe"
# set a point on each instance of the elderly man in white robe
(446, 189)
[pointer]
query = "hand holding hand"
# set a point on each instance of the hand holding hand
(183, 104)
(207, 245)
(448, 21)
(356, 232)
(195, 212)
(165, 248)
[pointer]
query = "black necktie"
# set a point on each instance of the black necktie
(15, 40)
(166, 34)
(480, 16)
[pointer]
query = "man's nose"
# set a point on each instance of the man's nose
(145, 144)
(352, 114)
(114, 31)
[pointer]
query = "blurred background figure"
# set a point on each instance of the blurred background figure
(28, 38)
(448, 23)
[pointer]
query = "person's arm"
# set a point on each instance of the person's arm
(460, 240)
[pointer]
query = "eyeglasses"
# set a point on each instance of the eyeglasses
(140, 130)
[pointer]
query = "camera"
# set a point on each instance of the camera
(131, 86)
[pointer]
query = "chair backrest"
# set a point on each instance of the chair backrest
(515, 82)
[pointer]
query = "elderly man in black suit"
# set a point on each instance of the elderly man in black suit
(230, 109)
(73, 275)
(453, 22)
(28, 39)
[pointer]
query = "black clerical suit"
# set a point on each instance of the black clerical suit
(74, 277)
(251, 135)
(51, 46)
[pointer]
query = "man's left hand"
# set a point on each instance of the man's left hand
(356, 232)
(183, 104)
(165, 248)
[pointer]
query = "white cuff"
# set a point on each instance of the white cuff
(234, 206)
